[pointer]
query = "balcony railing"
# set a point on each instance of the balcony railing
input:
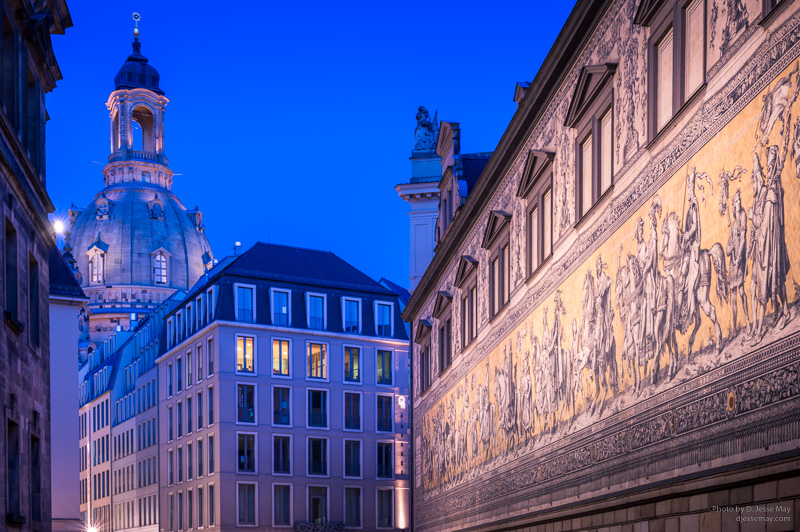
(282, 466)
(384, 425)
(247, 463)
(316, 323)
(352, 469)
(351, 327)
(280, 318)
(352, 422)
(317, 419)
(126, 155)
(384, 330)
(245, 315)
(281, 418)
(316, 467)
(384, 471)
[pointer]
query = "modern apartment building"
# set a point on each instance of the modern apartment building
(283, 398)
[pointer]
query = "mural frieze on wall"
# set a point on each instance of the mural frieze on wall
(698, 274)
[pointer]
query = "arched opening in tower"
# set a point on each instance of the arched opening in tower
(143, 134)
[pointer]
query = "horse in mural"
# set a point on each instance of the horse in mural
(545, 393)
(580, 361)
(691, 302)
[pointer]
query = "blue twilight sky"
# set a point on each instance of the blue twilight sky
(292, 122)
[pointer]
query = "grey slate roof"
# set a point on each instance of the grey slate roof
(472, 164)
(62, 282)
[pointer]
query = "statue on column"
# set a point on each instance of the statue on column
(427, 130)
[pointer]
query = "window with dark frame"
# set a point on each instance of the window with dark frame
(317, 456)
(352, 411)
(384, 467)
(282, 454)
(591, 114)
(245, 403)
(467, 281)
(677, 56)
(244, 302)
(385, 414)
(496, 240)
(352, 458)
(384, 366)
(423, 339)
(317, 408)
(316, 314)
(280, 406)
(280, 308)
(352, 356)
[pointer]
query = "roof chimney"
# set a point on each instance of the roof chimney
(520, 90)
(236, 247)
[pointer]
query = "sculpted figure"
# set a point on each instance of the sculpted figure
(425, 133)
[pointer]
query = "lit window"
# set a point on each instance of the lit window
(317, 361)
(280, 357)
(160, 268)
(384, 367)
(351, 364)
(97, 267)
(244, 354)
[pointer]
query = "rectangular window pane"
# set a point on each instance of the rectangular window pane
(317, 408)
(318, 504)
(351, 364)
(280, 357)
(664, 80)
(384, 460)
(280, 404)
(384, 367)
(244, 297)
(245, 401)
(506, 274)
(351, 316)
(212, 512)
(244, 354)
(606, 152)
(473, 304)
(534, 238)
(385, 508)
(210, 356)
(495, 285)
(317, 456)
(316, 317)
(385, 414)
(247, 504)
(280, 315)
(547, 229)
(352, 411)
(281, 502)
(247, 453)
(352, 507)
(352, 458)
(317, 361)
(281, 454)
(384, 320)
(694, 46)
(210, 460)
(586, 175)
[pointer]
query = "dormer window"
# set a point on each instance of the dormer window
(281, 308)
(352, 315)
(245, 302)
(160, 264)
(97, 261)
(591, 114)
(103, 208)
(145, 177)
(156, 206)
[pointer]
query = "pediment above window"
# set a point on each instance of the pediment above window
(161, 251)
(443, 300)
(647, 10)
(537, 163)
(466, 267)
(98, 245)
(591, 83)
(156, 206)
(498, 222)
(423, 331)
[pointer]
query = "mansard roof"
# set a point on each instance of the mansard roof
(62, 282)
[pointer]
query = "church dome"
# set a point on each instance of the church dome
(136, 73)
(146, 243)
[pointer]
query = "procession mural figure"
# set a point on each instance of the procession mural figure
(604, 361)
(524, 390)
(425, 135)
(629, 290)
(737, 252)
(505, 396)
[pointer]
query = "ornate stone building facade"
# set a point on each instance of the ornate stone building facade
(607, 334)
(29, 71)
(135, 243)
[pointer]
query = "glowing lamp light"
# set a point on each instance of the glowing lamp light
(58, 227)
(91, 529)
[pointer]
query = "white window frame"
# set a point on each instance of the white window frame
(188, 357)
(360, 381)
(327, 369)
(291, 505)
(236, 370)
(394, 354)
(327, 499)
(288, 293)
(199, 314)
(236, 287)
(394, 509)
(391, 397)
(324, 310)
(200, 459)
(291, 409)
(327, 457)
(180, 329)
(271, 354)
(255, 503)
(360, 410)
(344, 316)
(169, 378)
(209, 355)
(360, 458)
(200, 367)
(360, 504)
(391, 317)
(327, 408)
(255, 450)
(255, 403)
(170, 333)
(291, 458)
(211, 295)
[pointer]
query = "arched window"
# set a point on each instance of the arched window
(160, 269)
(143, 130)
(96, 267)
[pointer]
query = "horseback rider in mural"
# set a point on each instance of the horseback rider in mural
(768, 244)
(604, 343)
(691, 251)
